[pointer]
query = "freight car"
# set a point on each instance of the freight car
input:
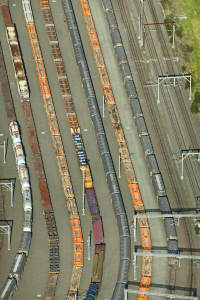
(98, 237)
(103, 150)
(18, 266)
(25, 242)
(145, 138)
(142, 130)
(120, 137)
(8, 289)
(72, 119)
(61, 164)
(24, 93)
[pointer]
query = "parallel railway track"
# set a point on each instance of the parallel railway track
(192, 139)
(180, 93)
(180, 96)
(145, 139)
(53, 238)
(133, 185)
(155, 120)
(194, 182)
(59, 152)
(142, 76)
(117, 200)
(81, 154)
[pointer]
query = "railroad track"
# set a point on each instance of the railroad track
(145, 139)
(138, 57)
(171, 68)
(174, 121)
(142, 75)
(172, 280)
(136, 54)
(184, 111)
(189, 167)
(72, 118)
(133, 185)
(53, 239)
(117, 201)
(59, 152)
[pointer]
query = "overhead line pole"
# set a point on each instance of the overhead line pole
(162, 78)
(178, 256)
(171, 296)
(157, 216)
(188, 152)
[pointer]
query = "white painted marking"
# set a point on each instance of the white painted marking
(14, 4)
(42, 132)
(85, 130)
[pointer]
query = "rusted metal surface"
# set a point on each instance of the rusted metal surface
(137, 200)
(10, 110)
(98, 263)
(6, 15)
(53, 238)
(74, 126)
(56, 135)
(52, 282)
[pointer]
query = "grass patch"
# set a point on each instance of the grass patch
(187, 40)
(165, 3)
(197, 229)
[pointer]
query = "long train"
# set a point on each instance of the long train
(133, 185)
(104, 151)
(144, 136)
(59, 151)
(97, 225)
(25, 242)
(23, 89)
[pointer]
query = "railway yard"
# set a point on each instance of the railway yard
(100, 147)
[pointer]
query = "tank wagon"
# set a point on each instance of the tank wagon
(142, 130)
(72, 119)
(120, 138)
(105, 155)
(25, 242)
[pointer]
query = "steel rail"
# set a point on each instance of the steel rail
(148, 93)
(53, 238)
(57, 145)
(72, 119)
(133, 185)
(112, 181)
(176, 126)
(191, 134)
(155, 116)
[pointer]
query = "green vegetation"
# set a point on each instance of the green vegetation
(165, 3)
(195, 107)
(187, 40)
(197, 229)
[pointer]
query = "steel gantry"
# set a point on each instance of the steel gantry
(4, 145)
(188, 152)
(8, 185)
(157, 216)
(7, 229)
(167, 255)
(157, 24)
(171, 296)
(168, 80)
